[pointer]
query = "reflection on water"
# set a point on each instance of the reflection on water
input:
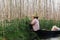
(56, 38)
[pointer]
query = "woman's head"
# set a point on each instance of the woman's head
(34, 17)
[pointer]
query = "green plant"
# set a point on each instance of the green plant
(18, 29)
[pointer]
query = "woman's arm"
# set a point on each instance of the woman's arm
(33, 22)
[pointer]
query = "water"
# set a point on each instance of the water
(56, 38)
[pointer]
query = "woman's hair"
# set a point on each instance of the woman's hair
(36, 17)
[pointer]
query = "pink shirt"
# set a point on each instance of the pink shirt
(35, 23)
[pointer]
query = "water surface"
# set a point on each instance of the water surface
(55, 38)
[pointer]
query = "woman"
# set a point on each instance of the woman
(35, 25)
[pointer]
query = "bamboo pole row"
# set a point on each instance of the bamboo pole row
(48, 9)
